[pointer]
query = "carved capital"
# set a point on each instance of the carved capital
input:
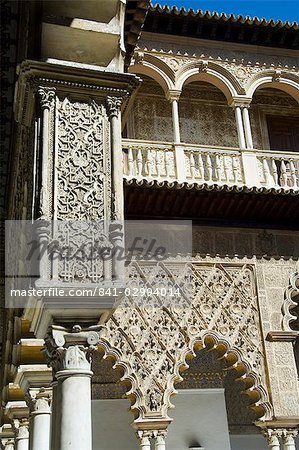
(47, 96)
(288, 436)
(71, 349)
(7, 444)
(113, 105)
(273, 436)
(173, 94)
(39, 400)
(21, 428)
(144, 439)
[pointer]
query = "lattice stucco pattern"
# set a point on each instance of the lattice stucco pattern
(151, 338)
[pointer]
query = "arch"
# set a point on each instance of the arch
(291, 301)
(210, 73)
(283, 81)
(253, 387)
(156, 69)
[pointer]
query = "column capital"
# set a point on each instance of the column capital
(241, 102)
(173, 94)
(21, 428)
(47, 96)
(71, 349)
(289, 435)
(113, 105)
(39, 400)
(272, 436)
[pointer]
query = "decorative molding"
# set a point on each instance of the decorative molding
(282, 336)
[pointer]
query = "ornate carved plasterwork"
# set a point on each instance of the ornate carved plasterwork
(150, 339)
(83, 160)
(291, 301)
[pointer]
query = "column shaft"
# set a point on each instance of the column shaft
(40, 431)
(75, 426)
(247, 128)
(175, 121)
(240, 128)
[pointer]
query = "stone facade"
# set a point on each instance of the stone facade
(82, 126)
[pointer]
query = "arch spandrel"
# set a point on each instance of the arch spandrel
(152, 342)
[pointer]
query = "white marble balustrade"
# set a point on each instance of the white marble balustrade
(212, 165)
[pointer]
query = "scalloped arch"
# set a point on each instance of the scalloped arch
(290, 302)
(283, 81)
(128, 360)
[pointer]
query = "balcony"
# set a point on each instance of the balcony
(205, 165)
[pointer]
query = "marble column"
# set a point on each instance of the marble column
(39, 401)
(69, 353)
(288, 437)
(247, 127)
(175, 121)
(173, 96)
(21, 427)
(240, 128)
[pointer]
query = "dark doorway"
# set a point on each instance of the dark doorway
(283, 133)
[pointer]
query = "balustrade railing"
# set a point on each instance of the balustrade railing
(212, 165)
(278, 170)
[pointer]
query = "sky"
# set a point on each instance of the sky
(269, 9)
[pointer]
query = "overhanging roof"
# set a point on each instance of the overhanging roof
(222, 27)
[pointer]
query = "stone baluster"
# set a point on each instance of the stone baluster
(288, 437)
(69, 353)
(209, 167)
(284, 174)
(293, 174)
(200, 167)
(130, 161)
(39, 402)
